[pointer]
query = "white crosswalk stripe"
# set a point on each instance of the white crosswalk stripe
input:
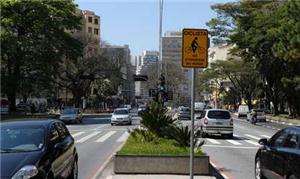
(251, 136)
(213, 141)
(87, 137)
(77, 134)
(106, 136)
(252, 142)
(123, 137)
(233, 142)
(266, 136)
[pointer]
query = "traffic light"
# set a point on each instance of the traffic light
(162, 87)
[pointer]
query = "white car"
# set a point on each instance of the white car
(243, 110)
(121, 116)
(215, 121)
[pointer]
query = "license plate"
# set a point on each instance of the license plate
(219, 123)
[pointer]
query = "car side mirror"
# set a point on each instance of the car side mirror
(263, 141)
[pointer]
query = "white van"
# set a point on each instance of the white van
(243, 110)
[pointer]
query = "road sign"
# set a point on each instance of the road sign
(194, 48)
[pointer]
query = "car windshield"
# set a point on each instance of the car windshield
(218, 114)
(185, 110)
(121, 111)
(22, 139)
(69, 111)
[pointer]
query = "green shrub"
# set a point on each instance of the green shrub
(182, 136)
(143, 135)
(156, 120)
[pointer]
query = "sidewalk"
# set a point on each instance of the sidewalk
(108, 173)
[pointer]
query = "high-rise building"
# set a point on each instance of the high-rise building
(171, 53)
(122, 55)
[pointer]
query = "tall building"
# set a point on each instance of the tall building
(171, 53)
(90, 31)
(122, 55)
(147, 60)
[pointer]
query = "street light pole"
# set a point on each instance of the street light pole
(159, 69)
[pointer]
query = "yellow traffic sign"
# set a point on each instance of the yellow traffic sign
(194, 48)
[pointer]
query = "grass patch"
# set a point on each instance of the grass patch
(164, 147)
(285, 118)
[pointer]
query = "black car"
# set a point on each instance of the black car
(279, 157)
(37, 149)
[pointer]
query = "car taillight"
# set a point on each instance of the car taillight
(231, 122)
(205, 121)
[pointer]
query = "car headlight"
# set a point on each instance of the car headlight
(26, 172)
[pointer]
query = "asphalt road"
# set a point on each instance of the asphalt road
(235, 158)
(96, 141)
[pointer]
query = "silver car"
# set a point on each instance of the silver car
(71, 115)
(184, 113)
(215, 121)
(121, 116)
(261, 115)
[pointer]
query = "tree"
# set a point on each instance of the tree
(266, 33)
(242, 75)
(35, 38)
(174, 78)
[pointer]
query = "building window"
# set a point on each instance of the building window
(96, 31)
(90, 19)
(89, 30)
(96, 21)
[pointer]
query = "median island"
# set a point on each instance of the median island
(160, 146)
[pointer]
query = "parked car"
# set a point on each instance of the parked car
(37, 149)
(215, 121)
(279, 157)
(261, 116)
(23, 107)
(4, 106)
(243, 110)
(121, 116)
(71, 115)
(184, 113)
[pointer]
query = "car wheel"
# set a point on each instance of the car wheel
(74, 174)
(130, 122)
(229, 136)
(111, 124)
(257, 170)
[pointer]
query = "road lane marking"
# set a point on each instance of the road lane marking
(123, 137)
(87, 137)
(213, 141)
(252, 142)
(266, 136)
(251, 136)
(230, 147)
(106, 136)
(97, 128)
(77, 134)
(233, 142)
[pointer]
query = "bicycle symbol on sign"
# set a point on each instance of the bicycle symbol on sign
(194, 48)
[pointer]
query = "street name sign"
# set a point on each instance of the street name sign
(194, 48)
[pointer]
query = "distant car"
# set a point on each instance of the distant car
(37, 149)
(121, 116)
(216, 121)
(4, 106)
(279, 157)
(141, 109)
(128, 106)
(261, 116)
(184, 113)
(23, 107)
(243, 110)
(71, 115)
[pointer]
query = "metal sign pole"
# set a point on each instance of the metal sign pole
(192, 125)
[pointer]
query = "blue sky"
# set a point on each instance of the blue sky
(135, 22)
